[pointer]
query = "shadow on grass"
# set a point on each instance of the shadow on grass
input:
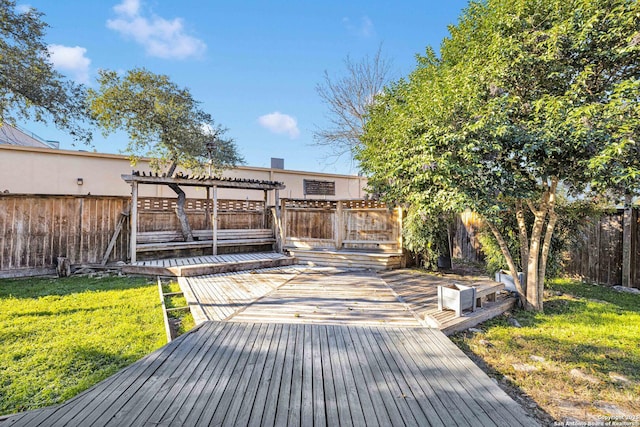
(622, 300)
(63, 312)
(35, 287)
(82, 368)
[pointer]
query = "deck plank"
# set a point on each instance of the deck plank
(284, 393)
(422, 392)
(187, 372)
(432, 378)
(194, 403)
(500, 406)
(295, 397)
(457, 395)
(245, 387)
(315, 297)
(328, 381)
(264, 403)
(125, 411)
(359, 385)
(395, 392)
(419, 290)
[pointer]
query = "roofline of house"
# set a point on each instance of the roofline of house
(123, 157)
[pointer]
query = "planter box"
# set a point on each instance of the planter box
(456, 297)
(504, 277)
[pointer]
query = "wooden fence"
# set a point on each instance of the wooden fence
(35, 230)
(465, 239)
(343, 224)
(597, 252)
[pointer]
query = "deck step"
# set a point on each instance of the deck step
(344, 258)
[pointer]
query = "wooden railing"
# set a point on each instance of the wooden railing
(342, 224)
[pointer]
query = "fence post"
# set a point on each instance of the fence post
(338, 231)
(626, 241)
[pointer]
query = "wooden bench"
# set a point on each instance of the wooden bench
(173, 240)
(487, 290)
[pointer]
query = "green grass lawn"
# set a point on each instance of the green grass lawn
(589, 337)
(61, 336)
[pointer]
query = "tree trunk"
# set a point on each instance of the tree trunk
(546, 247)
(180, 213)
(507, 255)
(534, 298)
(523, 237)
(536, 263)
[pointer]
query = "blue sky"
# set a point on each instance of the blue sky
(254, 65)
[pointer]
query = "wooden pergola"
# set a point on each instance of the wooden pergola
(136, 178)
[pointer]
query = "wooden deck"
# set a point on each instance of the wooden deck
(419, 290)
(297, 295)
(300, 294)
(211, 264)
(227, 373)
(220, 296)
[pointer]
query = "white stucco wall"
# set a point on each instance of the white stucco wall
(28, 170)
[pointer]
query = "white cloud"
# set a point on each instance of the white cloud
(364, 28)
(71, 61)
(127, 8)
(280, 123)
(160, 37)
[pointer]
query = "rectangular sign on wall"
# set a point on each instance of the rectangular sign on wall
(319, 188)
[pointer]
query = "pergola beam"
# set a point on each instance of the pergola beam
(247, 184)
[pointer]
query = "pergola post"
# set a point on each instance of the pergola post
(207, 215)
(214, 220)
(278, 219)
(266, 209)
(134, 221)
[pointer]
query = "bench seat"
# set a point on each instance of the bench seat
(487, 290)
(173, 240)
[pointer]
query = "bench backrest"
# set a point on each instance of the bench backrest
(228, 234)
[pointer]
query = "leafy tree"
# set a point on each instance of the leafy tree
(31, 88)
(348, 98)
(528, 96)
(164, 122)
